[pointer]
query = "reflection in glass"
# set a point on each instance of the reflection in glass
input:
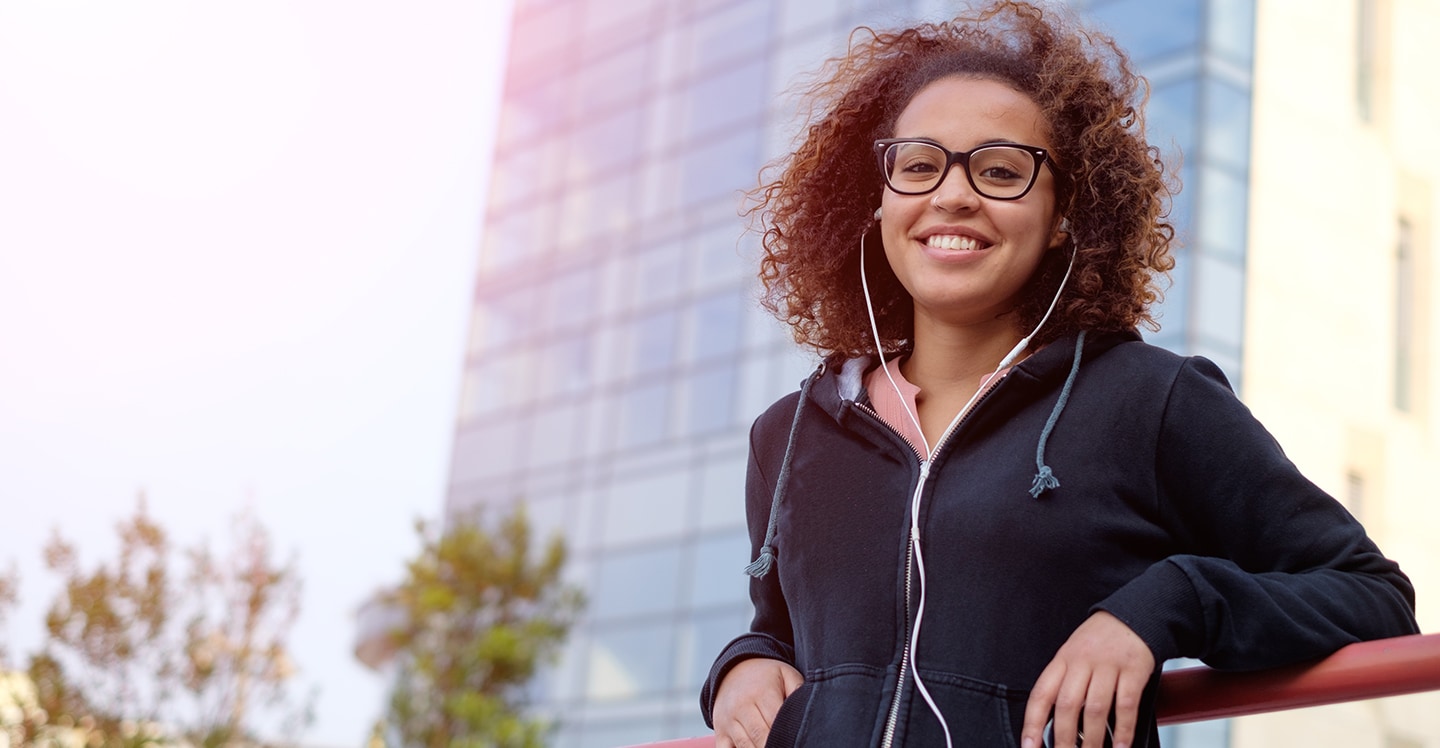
(1231, 29)
(632, 661)
(653, 340)
(636, 583)
(717, 323)
(651, 506)
(1227, 124)
(644, 413)
(732, 95)
(1134, 22)
(711, 397)
(717, 576)
(570, 299)
(707, 635)
(1170, 119)
(720, 168)
(600, 147)
(1223, 220)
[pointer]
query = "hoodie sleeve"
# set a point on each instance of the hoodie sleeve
(1279, 572)
(770, 633)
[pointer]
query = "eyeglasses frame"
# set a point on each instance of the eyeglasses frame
(1041, 156)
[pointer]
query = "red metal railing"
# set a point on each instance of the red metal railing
(1368, 670)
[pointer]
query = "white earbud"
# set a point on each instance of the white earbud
(877, 214)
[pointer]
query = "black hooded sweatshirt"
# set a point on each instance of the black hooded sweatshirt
(1169, 506)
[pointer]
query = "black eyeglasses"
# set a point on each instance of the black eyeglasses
(999, 171)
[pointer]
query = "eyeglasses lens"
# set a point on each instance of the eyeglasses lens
(1001, 172)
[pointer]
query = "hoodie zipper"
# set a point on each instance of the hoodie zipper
(892, 718)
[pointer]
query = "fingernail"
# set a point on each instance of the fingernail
(1028, 743)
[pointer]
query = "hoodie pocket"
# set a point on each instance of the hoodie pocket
(977, 712)
(785, 729)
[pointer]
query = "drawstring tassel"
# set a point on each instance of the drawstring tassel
(763, 563)
(761, 566)
(1044, 481)
(1045, 477)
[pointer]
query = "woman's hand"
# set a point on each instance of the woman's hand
(749, 696)
(1102, 664)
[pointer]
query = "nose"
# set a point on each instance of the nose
(955, 192)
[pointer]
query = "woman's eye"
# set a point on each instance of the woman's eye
(919, 167)
(999, 173)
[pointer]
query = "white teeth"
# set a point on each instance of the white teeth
(950, 241)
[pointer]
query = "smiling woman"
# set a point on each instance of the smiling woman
(994, 511)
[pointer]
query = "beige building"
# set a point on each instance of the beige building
(1340, 322)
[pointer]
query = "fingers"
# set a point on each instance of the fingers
(1041, 703)
(748, 699)
(1102, 665)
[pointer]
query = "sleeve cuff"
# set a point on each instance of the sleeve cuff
(742, 648)
(1162, 607)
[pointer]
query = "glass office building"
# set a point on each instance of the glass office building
(617, 353)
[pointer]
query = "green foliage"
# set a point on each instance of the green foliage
(482, 609)
(138, 653)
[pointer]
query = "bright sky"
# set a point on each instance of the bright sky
(236, 244)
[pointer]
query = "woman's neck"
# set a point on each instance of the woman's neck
(946, 356)
(949, 363)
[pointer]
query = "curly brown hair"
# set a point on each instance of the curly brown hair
(1112, 187)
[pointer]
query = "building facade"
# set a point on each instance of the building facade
(617, 353)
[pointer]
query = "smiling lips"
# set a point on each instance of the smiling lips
(954, 242)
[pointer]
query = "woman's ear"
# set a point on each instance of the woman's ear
(1061, 233)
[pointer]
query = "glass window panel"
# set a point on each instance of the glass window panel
(1146, 28)
(548, 518)
(607, 144)
(631, 661)
(722, 492)
(716, 326)
(732, 95)
(637, 583)
(740, 30)
(1182, 206)
(811, 16)
(570, 299)
(707, 635)
(516, 234)
(614, 79)
(653, 341)
(718, 575)
(485, 450)
(724, 167)
(717, 256)
(1223, 219)
(505, 319)
(532, 108)
(660, 186)
(594, 213)
(644, 508)
(644, 414)
(656, 274)
(554, 435)
(534, 166)
(1220, 300)
(1227, 124)
(609, 24)
(1170, 120)
(1231, 29)
(542, 36)
(711, 401)
(566, 367)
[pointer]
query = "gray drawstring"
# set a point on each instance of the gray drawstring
(761, 565)
(1044, 477)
